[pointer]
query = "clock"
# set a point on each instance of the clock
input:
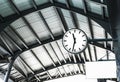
(75, 41)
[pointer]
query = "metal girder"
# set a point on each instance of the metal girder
(7, 75)
(9, 19)
(46, 24)
(57, 65)
(3, 71)
(32, 30)
(17, 34)
(20, 71)
(43, 67)
(62, 18)
(30, 69)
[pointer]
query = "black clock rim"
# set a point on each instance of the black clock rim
(84, 47)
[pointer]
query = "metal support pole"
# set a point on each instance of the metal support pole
(7, 75)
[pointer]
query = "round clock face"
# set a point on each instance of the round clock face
(75, 41)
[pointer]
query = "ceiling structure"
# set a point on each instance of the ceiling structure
(32, 30)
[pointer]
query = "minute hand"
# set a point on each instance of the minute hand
(74, 38)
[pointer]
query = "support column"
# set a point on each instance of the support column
(114, 19)
(101, 80)
(8, 71)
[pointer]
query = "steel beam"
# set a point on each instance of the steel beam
(90, 54)
(9, 19)
(9, 70)
(57, 65)
(46, 24)
(32, 30)
(21, 39)
(30, 69)
(43, 67)
(12, 40)
(6, 44)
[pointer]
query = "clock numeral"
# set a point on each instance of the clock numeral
(66, 45)
(79, 32)
(65, 40)
(84, 40)
(74, 50)
(66, 36)
(74, 30)
(69, 32)
(83, 35)
(83, 45)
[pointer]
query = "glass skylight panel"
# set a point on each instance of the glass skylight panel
(5, 8)
(40, 2)
(77, 3)
(61, 1)
(95, 8)
(23, 4)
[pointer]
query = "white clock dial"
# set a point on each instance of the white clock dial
(75, 41)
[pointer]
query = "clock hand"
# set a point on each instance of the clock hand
(73, 46)
(74, 38)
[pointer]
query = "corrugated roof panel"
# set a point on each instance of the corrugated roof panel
(85, 28)
(57, 50)
(38, 25)
(99, 32)
(26, 34)
(42, 56)
(19, 63)
(51, 52)
(29, 59)
(19, 23)
(81, 18)
(63, 49)
(48, 12)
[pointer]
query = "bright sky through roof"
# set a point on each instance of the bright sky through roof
(75, 78)
(1, 80)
